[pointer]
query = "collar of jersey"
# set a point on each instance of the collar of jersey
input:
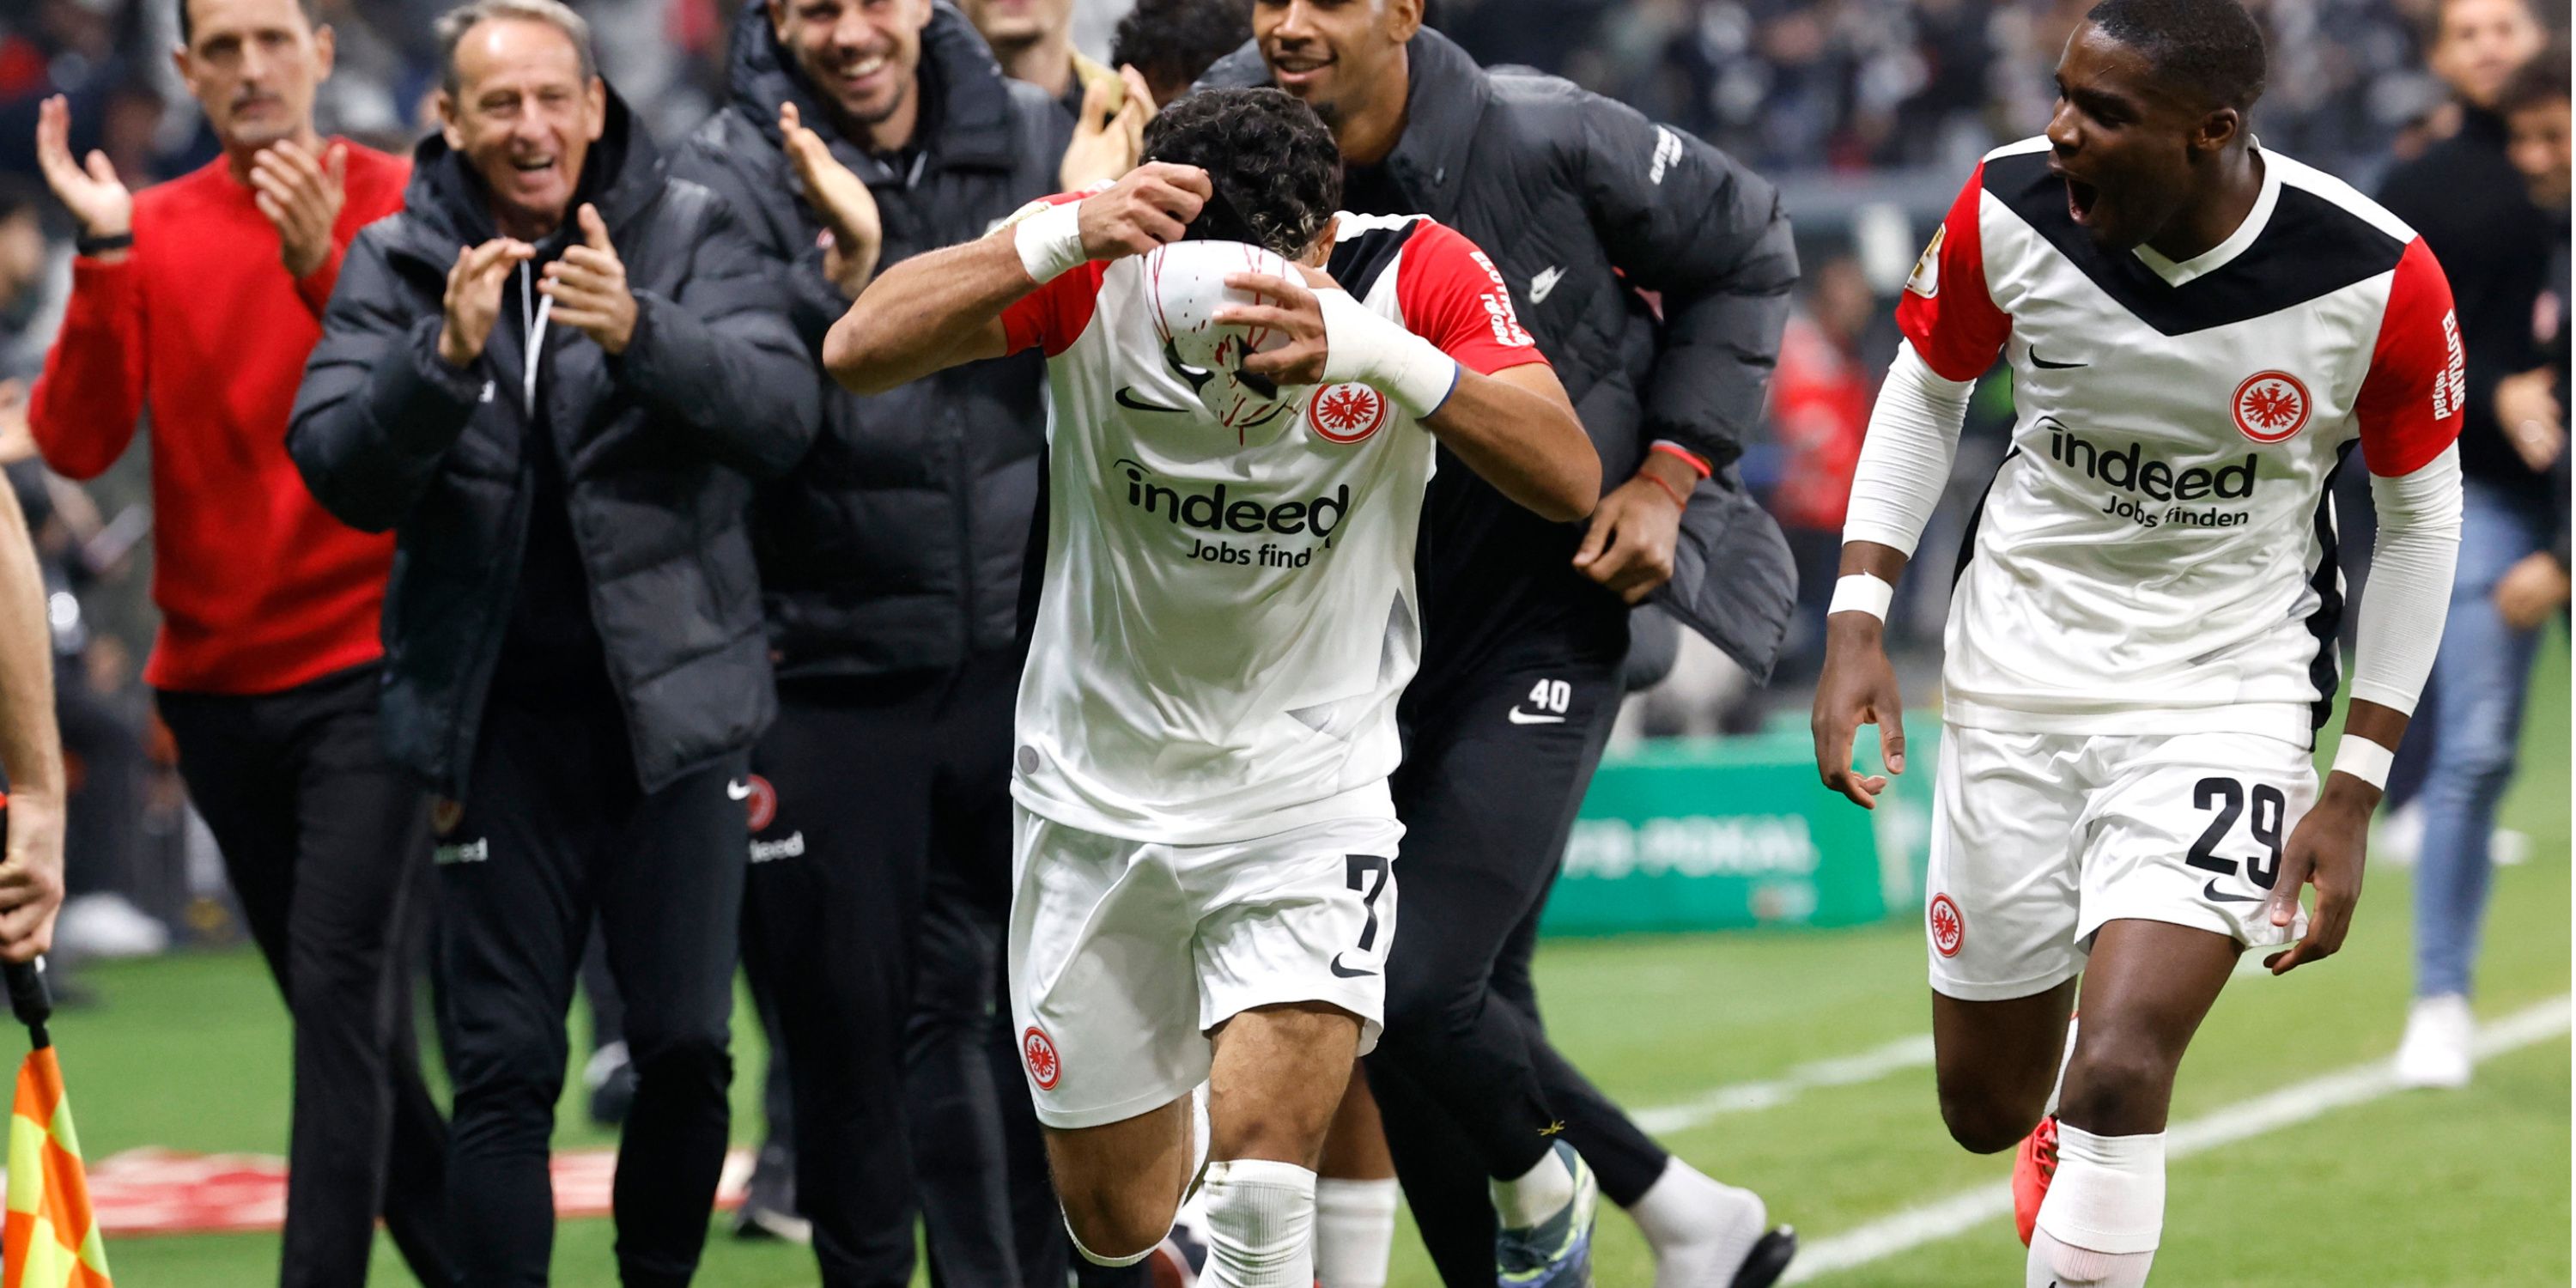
(2219, 256)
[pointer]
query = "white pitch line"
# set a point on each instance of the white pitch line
(2315, 1098)
(1745, 1097)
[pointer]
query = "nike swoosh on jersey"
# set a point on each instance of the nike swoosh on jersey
(2212, 892)
(1530, 717)
(738, 791)
(1127, 398)
(2046, 365)
(1544, 284)
(1344, 972)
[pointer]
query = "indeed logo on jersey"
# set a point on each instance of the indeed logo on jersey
(1213, 511)
(2131, 471)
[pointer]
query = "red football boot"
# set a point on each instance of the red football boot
(2034, 1166)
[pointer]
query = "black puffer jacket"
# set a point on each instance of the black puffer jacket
(658, 445)
(1582, 203)
(896, 544)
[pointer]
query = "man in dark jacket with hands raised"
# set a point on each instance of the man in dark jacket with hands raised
(560, 422)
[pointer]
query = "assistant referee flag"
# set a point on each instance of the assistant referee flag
(51, 1240)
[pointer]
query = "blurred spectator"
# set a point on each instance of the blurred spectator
(2535, 108)
(2476, 213)
(1169, 42)
(35, 281)
(1820, 399)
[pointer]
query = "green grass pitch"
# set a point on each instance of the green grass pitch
(2408, 1191)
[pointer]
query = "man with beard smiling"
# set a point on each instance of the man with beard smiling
(860, 135)
(2142, 632)
(1579, 203)
(194, 304)
(560, 421)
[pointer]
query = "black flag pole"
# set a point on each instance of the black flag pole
(30, 999)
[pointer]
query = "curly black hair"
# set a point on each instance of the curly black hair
(1277, 174)
(2213, 46)
(1172, 41)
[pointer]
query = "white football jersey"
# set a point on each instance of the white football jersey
(2157, 551)
(1228, 613)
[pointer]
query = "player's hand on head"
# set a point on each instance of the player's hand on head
(88, 187)
(2327, 849)
(1152, 205)
(1290, 309)
(1857, 688)
(301, 194)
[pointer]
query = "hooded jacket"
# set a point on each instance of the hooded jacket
(1582, 203)
(895, 545)
(657, 447)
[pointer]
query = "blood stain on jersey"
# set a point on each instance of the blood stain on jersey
(444, 815)
(1948, 931)
(762, 803)
(2271, 406)
(1346, 413)
(1925, 280)
(1044, 1067)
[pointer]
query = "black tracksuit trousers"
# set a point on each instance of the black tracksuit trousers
(1497, 757)
(324, 841)
(555, 833)
(877, 890)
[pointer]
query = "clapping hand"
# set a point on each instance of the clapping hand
(588, 286)
(842, 199)
(302, 195)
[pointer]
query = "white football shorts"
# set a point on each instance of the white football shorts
(2040, 838)
(1124, 954)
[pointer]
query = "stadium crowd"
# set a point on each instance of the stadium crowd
(865, 550)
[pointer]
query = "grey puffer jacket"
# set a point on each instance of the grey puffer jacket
(1583, 204)
(659, 446)
(895, 545)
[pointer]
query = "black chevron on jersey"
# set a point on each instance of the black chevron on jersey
(2310, 247)
(1357, 261)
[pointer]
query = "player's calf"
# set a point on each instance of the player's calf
(1120, 1183)
(1278, 1076)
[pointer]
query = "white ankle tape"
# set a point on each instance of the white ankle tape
(1099, 1260)
(2109, 1192)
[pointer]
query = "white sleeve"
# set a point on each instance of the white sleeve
(1905, 459)
(2409, 592)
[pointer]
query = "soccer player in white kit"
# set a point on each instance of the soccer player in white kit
(1206, 722)
(2142, 633)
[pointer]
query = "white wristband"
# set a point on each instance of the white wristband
(1360, 345)
(1862, 592)
(1050, 242)
(2364, 759)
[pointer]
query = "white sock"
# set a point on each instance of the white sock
(1354, 1231)
(1697, 1226)
(1534, 1195)
(2105, 1212)
(1260, 1225)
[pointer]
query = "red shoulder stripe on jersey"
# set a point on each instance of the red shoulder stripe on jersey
(1452, 295)
(1053, 316)
(1945, 309)
(2409, 405)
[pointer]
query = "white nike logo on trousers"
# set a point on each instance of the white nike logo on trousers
(1524, 717)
